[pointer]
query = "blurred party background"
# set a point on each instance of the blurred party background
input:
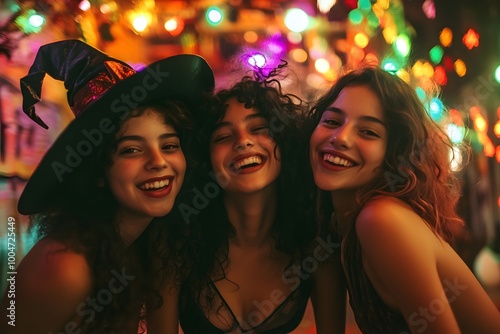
(454, 43)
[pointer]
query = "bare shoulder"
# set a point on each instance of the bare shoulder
(389, 228)
(399, 254)
(381, 208)
(390, 217)
(51, 266)
(52, 281)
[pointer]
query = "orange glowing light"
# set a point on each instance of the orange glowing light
(417, 69)
(440, 75)
(445, 37)
(496, 129)
(480, 123)
(474, 111)
(471, 39)
(456, 118)
(489, 149)
(460, 67)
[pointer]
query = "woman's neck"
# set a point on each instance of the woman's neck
(252, 215)
(131, 227)
(343, 205)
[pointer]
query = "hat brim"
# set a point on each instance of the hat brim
(182, 77)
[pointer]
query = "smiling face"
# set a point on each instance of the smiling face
(348, 146)
(147, 168)
(242, 150)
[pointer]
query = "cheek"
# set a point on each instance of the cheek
(122, 173)
(268, 143)
(383, 152)
(316, 136)
(376, 154)
(179, 163)
(116, 184)
(217, 156)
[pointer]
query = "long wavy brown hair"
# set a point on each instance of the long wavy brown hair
(293, 229)
(417, 165)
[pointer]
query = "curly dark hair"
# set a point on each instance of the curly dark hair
(293, 229)
(416, 167)
(82, 217)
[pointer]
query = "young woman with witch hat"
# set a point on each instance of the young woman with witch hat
(96, 194)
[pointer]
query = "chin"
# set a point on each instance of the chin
(161, 211)
(323, 184)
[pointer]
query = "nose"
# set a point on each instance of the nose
(243, 142)
(341, 137)
(156, 160)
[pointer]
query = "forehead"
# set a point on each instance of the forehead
(359, 101)
(236, 112)
(146, 121)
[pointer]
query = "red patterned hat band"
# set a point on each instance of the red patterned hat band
(99, 85)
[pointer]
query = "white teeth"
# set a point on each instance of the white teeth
(155, 185)
(337, 160)
(247, 161)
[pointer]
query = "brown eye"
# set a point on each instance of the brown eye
(370, 133)
(128, 150)
(170, 147)
(331, 122)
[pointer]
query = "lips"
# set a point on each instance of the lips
(157, 187)
(335, 161)
(154, 185)
(251, 161)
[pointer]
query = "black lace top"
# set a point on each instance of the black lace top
(284, 319)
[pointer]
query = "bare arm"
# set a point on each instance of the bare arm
(52, 283)
(165, 320)
(329, 293)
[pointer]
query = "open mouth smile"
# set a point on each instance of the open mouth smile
(247, 162)
(155, 184)
(157, 187)
(337, 161)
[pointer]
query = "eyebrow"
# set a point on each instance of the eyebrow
(139, 138)
(365, 118)
(246, 119)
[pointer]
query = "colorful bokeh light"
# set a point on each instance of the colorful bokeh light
(460, 67)
(403, 45)
(436, 54)
(436, 109)
(296, 20)
(446, 37)
(214, 15)
(471, 39)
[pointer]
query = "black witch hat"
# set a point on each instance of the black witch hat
(101, 91)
